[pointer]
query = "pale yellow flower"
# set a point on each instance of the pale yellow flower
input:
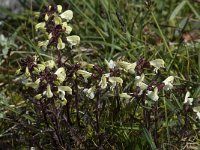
(90, 92)
(73, 40)
(114, 81)
(61, 75)
(157, 63)
(50, 64)
(38, 96)
(197, 110)
(68, 15)
(66, 27)
(84, 73)
(33, 85)
(40, 25)
(188, 99)
(128, 67)
(153, 95)
(103, 83)
(111, 64)
(125, 96)
(168, 83)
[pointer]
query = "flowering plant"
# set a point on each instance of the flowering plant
(71, 100)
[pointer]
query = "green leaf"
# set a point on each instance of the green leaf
(149, 138)
(176, 11)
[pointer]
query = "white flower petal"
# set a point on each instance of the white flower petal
(197, 111)
(68, 15)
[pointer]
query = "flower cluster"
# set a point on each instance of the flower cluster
(44, 79)
(142, 86)
(56, 27)
(49, 81)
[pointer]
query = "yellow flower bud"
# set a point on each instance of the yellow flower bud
(39, 68)
(27, 73)
(60, 45)
(38, 96)
(59, 8)
(46, 17)
(43, 44)
(49, 94)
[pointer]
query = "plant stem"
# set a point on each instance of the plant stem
(156, 124)
(166, 118)
(75, 92)
(97, 114)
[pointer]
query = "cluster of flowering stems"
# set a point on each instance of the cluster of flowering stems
(52, 81)
(48, 81)
(55, 26)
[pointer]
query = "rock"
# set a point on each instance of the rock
(12, 5)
